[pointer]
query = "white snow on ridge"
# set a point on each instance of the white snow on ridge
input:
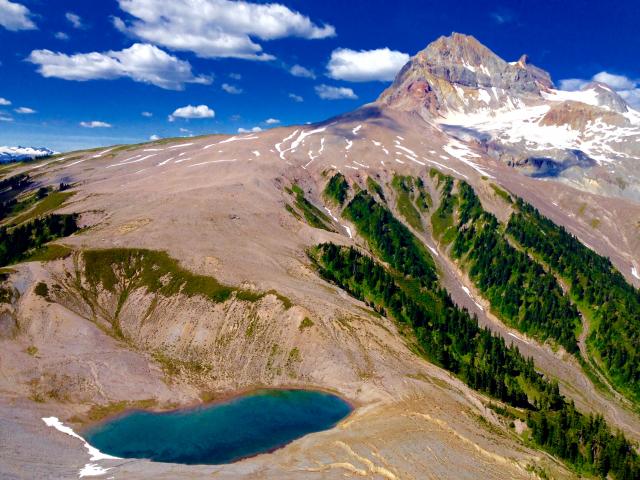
(131, 160)
(462, 152)
(589, 97)
(411, 152)
(286, 139)
(356, 130)
(349, 144)
(634, 272)
(210, 161)
(484, 96)
(103, 152)
(331, 214)
(447, 168)
(182, 145)
(519, 124)
(237, 139)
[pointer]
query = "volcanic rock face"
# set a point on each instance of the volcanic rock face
(514, 112)
(449, 66)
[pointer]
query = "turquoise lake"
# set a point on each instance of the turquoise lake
(220, 433)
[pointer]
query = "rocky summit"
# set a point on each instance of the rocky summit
(513, 112)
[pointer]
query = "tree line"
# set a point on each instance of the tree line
(612, 303)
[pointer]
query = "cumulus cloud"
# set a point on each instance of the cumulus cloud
(147, 114)
(140, 62)
(4, 102)
(14, 16)
(61, 36)
(201, 111)
(300, 71)
(617, 82)
(154, 137)
(25, 110)
(216, 28)
(95, 124)
(232, 89)
(381, 64)
(328, 92)
(627, 88)
(74, 20)
(572, 84)
(249, 130)
(296, 98)
(272, 121)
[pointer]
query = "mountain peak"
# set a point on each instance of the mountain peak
(449, 65)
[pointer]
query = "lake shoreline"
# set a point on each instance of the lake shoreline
(225, 449)
(225, 397)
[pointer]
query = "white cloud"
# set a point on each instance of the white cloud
(25, 110)
(74, 20)
(251, 130)
(572, 84)
(271, 121)
(14, 16)
(216, 28)
(300, 71)
(235, 76)
(232, 89)
(5, 118)
(627, 88)
(4, 102)
(327, 92)
(617, 82)
(147, 114)
(95, 124)
(154, 137)
(61, 36)
(632, 97)
(296, 98)
(201, 111)
(365, 65)
(140, 62)
(502, 16)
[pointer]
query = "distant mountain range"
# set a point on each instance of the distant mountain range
(16, 154)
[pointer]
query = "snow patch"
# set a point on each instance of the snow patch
(356, 130)
(634, 272)
(94, 453)
(238, 139)
(462, 152)
(210, 161)
(103, 152)
(484, 96)
(331, 214)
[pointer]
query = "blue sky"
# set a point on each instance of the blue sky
(89, 69)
